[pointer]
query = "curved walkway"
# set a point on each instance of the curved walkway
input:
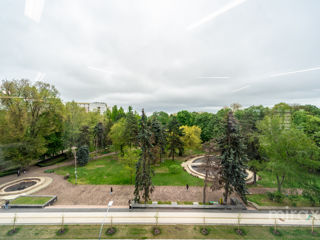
(70, 194)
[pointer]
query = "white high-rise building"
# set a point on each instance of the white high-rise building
(95, 106)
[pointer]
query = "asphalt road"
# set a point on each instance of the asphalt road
(124, 216)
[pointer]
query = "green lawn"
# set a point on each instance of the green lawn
(109, 170)
(30, 200)
(293, 201)
(269, 180)
(28, 232)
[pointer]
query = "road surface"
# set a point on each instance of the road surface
(124, 216)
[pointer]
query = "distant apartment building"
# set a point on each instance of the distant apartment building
(94, 106)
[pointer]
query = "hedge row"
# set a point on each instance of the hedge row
(52, 161)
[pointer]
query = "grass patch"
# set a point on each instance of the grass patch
(185, 203)
(164, 202)
(30, 200)
(268, 179)
(143, 202)
(291, 201)
(108, 170)
(28, 232)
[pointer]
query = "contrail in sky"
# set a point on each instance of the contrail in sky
(215, 77)
(40, 76)
(294, 72)
(240, 89)
(99, 70)
(221, 11)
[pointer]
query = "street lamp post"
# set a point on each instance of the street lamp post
(109, 205)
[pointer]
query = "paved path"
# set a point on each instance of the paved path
(44, 218)
(70, 194)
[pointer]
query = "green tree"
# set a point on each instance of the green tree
(99, 136)
(174, 137)
(310, 124)
(84, 136)
(158, 138)
(75, 118)
(162, 117)
(31, 113)
(132, 128)
(233, 160)
(290, 152)
(144, 171)
(82, 156)
(129, 160)
(117, 135)
(248, 119)
(191, 137)
(185, 118)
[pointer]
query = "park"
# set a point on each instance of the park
(234, 161)
(159, 119)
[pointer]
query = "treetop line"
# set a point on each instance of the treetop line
(283, 139)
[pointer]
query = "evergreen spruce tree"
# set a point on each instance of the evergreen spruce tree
(82, 156)
(174, 134)
(233, 160)
(144, 172)
(84, 136)
(158, 137)
(132, 128)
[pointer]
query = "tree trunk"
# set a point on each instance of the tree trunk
(279, 182)
(226, 193)
(254, 177)
(205, 188)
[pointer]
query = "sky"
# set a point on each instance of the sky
(166, 55)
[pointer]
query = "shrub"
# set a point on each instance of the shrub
(174, 169)
(278, 197)
(83, 156)
(270, 196)
(110, 231)
(9, 172)
(204, 231)
(13, 231)
(156, 231)
(49, 171)
(308, 195)
(62, 231)
(53, 160)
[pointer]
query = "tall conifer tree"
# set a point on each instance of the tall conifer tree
(144, 172)
(233, 160)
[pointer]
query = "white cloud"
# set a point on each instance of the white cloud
(138, 52)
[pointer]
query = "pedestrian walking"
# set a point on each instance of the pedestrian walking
(129, 202)
(111, 190)
(18, 173)
(187, 187)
